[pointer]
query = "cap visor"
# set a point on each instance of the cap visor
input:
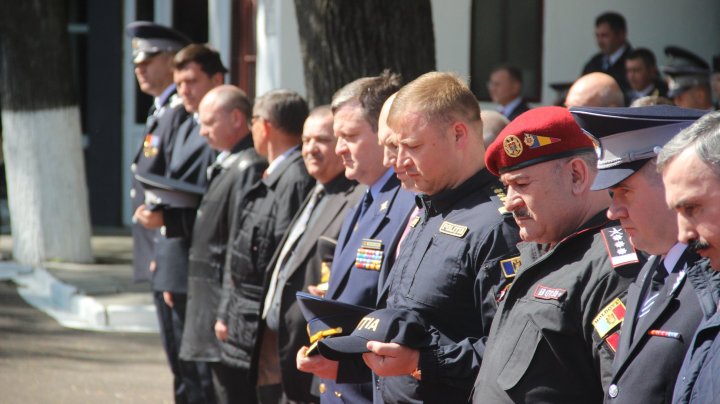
(143, 56)
(610, 177)
(342, 348)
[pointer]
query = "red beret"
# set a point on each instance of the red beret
(538, 135)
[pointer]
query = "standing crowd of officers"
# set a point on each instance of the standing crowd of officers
(572, 259)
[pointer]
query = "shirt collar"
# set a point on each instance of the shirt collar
(160, 101)
(275, 163)
(375, 188)
(645, 91)
(617, 54)
(510, 106)
(446, 199)
(673, 256)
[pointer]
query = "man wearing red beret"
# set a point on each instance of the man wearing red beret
(556, 330)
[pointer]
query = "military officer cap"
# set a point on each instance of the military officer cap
(328, 318)
(149, 39)
(684, 70)
(629, 137)
(403, 327)
(166, 191)
(538, 135)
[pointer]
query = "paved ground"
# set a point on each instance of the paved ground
(43, 362)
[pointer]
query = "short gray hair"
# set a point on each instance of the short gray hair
(703, 136)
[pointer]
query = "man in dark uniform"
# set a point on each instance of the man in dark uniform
(153, 49)
(611, 36)
(642, 75)
(370, 233)
(662, 308)
(555, 332)
(260, 222)
(295, 265)
(224, 115)
(198, 69)
(690, 173)
(450, 267)
(688, 79)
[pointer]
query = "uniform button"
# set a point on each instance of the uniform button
(338, 394)
(613, 390)
(321, 387)
(132, 193)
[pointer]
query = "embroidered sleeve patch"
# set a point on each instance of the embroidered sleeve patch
(548, 293)
(618, 246)
(510, 266)
(609, 317)
(370, 255)
(454, 230)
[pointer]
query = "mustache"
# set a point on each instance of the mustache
(697, 245)
(521, 214)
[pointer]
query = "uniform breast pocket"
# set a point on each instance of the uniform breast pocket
(521, 355)
(436, 280)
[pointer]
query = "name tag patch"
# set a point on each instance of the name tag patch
(510, 266)
(370, 255)
(609, 317)
(454, 230)
(548, 293)
(619, 247)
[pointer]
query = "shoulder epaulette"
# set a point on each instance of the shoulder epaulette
(497, 195)
(175, 100)
(618, 246)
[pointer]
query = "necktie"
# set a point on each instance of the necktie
(606, 63)
(657, 282)
(271, 310)
(366, 202)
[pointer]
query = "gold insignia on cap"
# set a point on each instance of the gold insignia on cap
(454, 230)
(135, 43)
(513, 146)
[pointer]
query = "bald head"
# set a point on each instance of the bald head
(595, 90)
(493, 123)
(224, 113)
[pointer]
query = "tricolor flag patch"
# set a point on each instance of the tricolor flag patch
(609, 317)
(535, 141)
(510, 266)
(619, 247)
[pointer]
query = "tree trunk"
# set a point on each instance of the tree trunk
(342, 40)
(44, 164)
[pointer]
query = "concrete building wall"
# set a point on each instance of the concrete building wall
(568, 42)
(279, 64)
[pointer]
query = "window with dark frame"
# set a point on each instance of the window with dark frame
(506, 32)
